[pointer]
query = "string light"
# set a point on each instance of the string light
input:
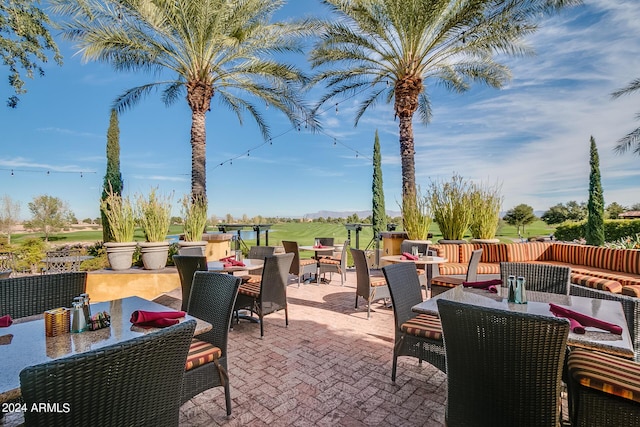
(47, 172)
(298, 128)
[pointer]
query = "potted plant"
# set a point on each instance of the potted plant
(452, 208)
(154, 216)
(486, 202)
(416, 217)
(118, 212)
(194, 215)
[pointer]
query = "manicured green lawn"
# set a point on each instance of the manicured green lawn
(303, 233)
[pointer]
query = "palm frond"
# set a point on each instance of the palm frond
(630, 88)
(631, 140)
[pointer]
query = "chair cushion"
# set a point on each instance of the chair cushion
(446, 281)
(251, 278)
(201, 352)
(606, 373)
(250, 289)
(423, 325)
(596, 283)
(377, 281)
(327, 260)
(307, 261)
(631, 290)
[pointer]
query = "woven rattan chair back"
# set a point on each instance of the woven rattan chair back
(405, 290)
(187, 265)
(340, 268)
(292, 247)
(273, 287)
(539, 277)
(30, 295)
(7, 263)
(130, 383)
(325, 241)
(259, 252)
(472, 268)
(503, 368)
(406, 246)
(212, 298)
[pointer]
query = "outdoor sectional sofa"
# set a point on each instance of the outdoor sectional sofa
(606, 269)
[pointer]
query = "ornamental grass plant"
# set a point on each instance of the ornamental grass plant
(451, 206)
(119, 213)
(486, 203)
(416, 217)
(154, 215)
(194, 215)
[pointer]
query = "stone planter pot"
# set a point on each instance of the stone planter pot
(192, 248)
(154, 255)
(455, 242)
(485, 240)
(120, 255)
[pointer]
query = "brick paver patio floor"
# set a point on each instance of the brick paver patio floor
(330, 367)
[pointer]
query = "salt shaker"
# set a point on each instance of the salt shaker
(78, 321)
(511, 282)
(86, 306)
(521, 294)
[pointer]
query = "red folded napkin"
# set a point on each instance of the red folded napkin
(483, 285)
(318, 246)
(156, 319)
(407, 255)
(229, 258)
(583, 320)
(5, 321)
(493, 289)
(233, 263)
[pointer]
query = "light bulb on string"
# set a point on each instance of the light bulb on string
(80, 174)
(47, 172)
(336, 108)
(11, 172)
(335, 142)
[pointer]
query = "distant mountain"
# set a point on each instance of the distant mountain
(344, 214)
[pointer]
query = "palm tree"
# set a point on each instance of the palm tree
(633, 138)
(208, 47)
(392, 48)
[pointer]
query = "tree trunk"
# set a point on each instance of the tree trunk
(199, 96)
(198, 155)
(406, 94)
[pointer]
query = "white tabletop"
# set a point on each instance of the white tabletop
(595, 339)
(249, 264)
(29, 346)
(420, 261)
(315, 249)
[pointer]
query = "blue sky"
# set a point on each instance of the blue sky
(532, 137)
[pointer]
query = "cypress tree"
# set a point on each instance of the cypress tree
(378, 215)
(112, 177)
(594, 232)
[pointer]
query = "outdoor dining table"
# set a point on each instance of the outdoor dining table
(249, 265)
(24, 343)
(538, 303)
(425, 261)
(317, 249)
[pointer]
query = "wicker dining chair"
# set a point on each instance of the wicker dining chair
(299, 266)
(187, 265)
(259, 252)
(62, 261)
(538, 277)
(416, 335)
(440, 284)
(212, 298)
(503, 368)
(132, 383)
(603, 389)
(325, 241)
(270, 293)
(30, 295)
(335, 265)
(369, 287)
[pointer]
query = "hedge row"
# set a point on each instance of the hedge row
(614, 229)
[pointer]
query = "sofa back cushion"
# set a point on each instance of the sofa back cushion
(569, 253)
(600, 257)
(449, 251)
(540, 251)
(629, 260)
(465, 252)
(491, 252)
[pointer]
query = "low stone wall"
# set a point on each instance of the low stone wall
(105, 285)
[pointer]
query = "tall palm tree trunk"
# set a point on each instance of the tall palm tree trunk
(198, 154)
(406, 103)
(199, 96)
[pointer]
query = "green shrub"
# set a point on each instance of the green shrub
(415, 216)
(629, 242)
(614, 229)
(452, 206)
(29, 254)
(486, 202)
